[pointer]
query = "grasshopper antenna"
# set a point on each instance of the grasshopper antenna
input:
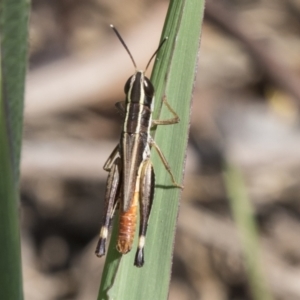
(163, 41)
(123, 43)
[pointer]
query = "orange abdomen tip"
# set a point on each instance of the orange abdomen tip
(127, 227)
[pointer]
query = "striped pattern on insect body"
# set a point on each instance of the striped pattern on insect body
(131, 180)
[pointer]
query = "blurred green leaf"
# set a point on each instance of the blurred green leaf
(13, 20)
(248, 232)
(14, 42)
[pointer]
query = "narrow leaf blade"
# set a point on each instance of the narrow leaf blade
(173, 76)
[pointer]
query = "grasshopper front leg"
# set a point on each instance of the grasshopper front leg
(170, 121)
(165, 162)
(146, 192)
(111, 201)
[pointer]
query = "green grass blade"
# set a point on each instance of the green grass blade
(10, 260)
(173, 76)
(13, 20)
(244, 218)
(14, 42)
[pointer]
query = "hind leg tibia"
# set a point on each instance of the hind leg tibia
(147, 182)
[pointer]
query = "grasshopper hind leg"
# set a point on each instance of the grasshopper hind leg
(147, 181)
(111, 201)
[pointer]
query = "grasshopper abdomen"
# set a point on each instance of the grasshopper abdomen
(127, 227)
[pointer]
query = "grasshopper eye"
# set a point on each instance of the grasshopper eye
(127, 85)
(148, 87)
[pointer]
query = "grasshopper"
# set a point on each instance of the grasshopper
(131, 180)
